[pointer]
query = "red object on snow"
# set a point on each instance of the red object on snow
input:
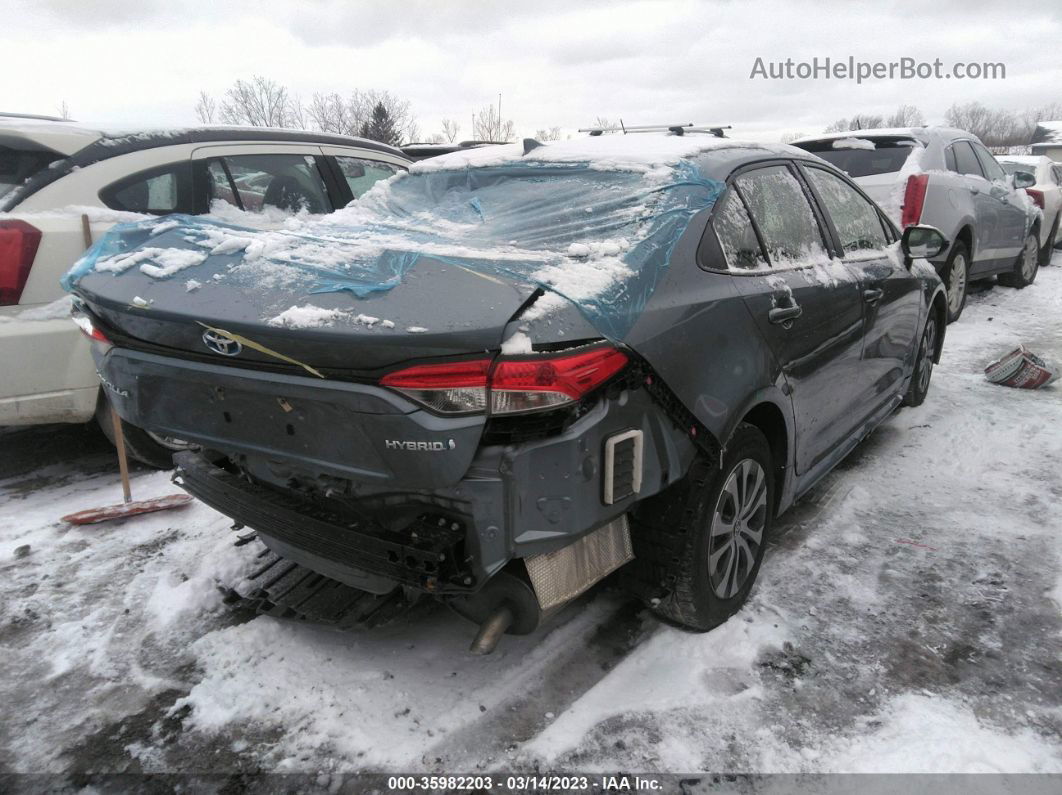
(126, 509)
(1022, 369)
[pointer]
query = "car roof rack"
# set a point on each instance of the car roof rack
(677, 129)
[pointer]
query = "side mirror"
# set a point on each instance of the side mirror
(1023, 179)
(922, 242)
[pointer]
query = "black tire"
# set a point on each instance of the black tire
(956, 276)
(694, 600)
(1025, 266)
(923, 366)
(139, 444)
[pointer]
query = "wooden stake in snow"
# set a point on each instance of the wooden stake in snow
(128, 507)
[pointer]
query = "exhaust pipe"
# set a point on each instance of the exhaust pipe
(491, 631)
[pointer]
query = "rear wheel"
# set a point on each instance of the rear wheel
(723, 535)
(146, 447)
(956, 277)
(923, 367)
(1026, 266)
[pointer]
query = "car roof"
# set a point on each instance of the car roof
(923, 134)
(69, 137)
(632, 152)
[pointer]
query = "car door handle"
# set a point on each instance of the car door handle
(873, 295)
(783, 314)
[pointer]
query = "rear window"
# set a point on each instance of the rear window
(886, 157)
(1012, 168)
(16, 166)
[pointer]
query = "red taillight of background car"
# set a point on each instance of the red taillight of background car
(914, 196)
(1037, 196)
(18, 248)
(513, 385)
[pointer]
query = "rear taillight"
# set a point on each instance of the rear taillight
(1037, 196)
(913, 198)
(18, 248)
(89, 329)
(513, 386)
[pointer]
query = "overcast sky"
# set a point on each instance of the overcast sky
(143, 62)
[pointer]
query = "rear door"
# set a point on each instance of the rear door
(986, 207)
(808, 308)
(357, 170)
(891, 295)
(1012, 217)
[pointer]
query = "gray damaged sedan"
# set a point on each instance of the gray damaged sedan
(514, 370)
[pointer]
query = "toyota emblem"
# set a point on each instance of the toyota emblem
(221, 343)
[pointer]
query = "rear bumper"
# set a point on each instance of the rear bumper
(499, 502)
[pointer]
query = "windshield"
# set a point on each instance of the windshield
(16, 166)
(886, 157)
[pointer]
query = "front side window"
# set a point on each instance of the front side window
(856, 220)
(783, 215)
(255, 183)
(361, 174)
(966, 160)
(156, 192)
(737, 238)
(989, 164)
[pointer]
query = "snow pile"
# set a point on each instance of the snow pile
(853, 143)
(309, 316)
(59, 309)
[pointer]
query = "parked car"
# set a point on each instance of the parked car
(641, 345)
(47, 165)
(1046, 194)
(945, 178)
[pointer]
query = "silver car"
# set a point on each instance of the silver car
(948, 179)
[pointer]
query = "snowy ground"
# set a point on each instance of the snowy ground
(908, 618)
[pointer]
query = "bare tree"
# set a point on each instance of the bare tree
(866, 121)
(489, 126)
(259, 102)
(552, 134)
(906, 116)
(841, 125)
(331, 113)
(206, 108)
(450, 129)
(348, 116)
(996, 128)
(64, 110)
(788, 138)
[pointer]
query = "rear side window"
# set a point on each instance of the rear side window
(856, 220)
(949, 159)
(253, 183)
(156, 192)
(989, 164)
(965, 159)
(737, 238)
(16, 166)
(361, 174)
(886, 156)
(782, 214)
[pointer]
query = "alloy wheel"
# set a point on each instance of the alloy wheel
(956, 283)
(736, 533)
(1030, 259)
(925, 354)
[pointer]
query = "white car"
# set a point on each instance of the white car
(1046, 194)
(62, 184)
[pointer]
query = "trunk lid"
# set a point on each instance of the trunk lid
(438, 309)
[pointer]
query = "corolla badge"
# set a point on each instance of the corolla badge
(221, 343)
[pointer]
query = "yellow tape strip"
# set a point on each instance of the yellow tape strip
(260, 348)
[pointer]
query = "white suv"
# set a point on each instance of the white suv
(62, 184)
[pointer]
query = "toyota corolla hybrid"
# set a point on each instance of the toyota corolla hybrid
(515, 369)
